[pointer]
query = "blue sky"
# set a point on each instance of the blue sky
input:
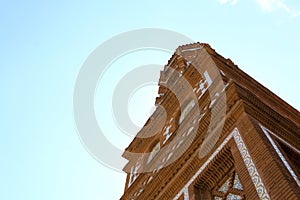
(44, 44)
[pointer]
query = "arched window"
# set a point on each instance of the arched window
(186, 110)
(133, 174)
(154, 151)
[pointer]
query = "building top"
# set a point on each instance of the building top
(186, 56)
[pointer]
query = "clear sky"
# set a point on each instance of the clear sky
(43, 46)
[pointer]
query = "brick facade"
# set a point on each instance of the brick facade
(216, 134)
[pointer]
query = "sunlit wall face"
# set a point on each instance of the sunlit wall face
(43, 46)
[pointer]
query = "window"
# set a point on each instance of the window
(231, 189)
(133, 174)
(186, 110)
(154, 151)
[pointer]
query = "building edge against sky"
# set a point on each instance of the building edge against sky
(216, 134)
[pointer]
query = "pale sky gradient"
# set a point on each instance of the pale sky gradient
(43, 46)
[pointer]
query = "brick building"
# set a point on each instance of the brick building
(216, 134)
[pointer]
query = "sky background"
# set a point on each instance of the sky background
(44, 44)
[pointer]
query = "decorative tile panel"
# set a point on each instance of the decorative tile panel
(186, 193)
(256, 179)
